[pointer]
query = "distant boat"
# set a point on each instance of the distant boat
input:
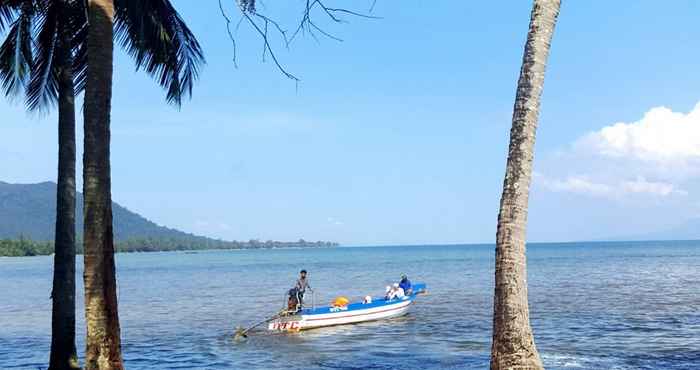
(317, 317)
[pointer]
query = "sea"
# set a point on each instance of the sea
(621, 305)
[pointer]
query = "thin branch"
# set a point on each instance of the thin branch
(238, 25)
(371, 8)
(266, 41)
(327, 10)
(230, 34)
(261, 24)
(324, 32)
(307, 24)
(340, 10)
(279, 28)
(264, 48)
(304, 19)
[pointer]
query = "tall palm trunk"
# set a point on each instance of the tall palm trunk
(103, 343)
(513, 344)
(63, 351)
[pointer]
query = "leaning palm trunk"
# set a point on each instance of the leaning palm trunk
(63, 351)
(513, 344)
(103, 344)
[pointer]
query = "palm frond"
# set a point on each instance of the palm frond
(160, 42)
(16, 51)
(80, 59)
(73, 21)
(42, 92)
(7, 16)
(9, 10)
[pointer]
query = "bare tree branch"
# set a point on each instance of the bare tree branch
(261, 24)
(230, 34)
(308, 25)
(339, 10)
(266, 44)
(279, 28)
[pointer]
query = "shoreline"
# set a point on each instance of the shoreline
(28, 248)
(612, 243)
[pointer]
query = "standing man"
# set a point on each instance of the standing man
(301, 285)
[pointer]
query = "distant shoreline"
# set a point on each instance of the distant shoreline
(29, 248)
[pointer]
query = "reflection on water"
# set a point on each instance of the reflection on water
(594, 306)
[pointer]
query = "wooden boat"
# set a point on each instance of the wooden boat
(317, 317)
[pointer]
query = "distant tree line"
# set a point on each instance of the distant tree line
(23, 247)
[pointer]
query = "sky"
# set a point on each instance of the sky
(399, 133)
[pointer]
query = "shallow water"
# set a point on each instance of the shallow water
(593, 306)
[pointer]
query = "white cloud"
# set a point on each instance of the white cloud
(584, 185)
(573, 184)
(655, 157)
(660, 136)
(334, 221)
(641, 185)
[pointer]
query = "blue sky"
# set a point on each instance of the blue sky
(399, 133)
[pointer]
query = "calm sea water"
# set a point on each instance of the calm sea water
(593, 306)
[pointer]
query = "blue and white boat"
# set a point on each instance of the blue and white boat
(317, 317)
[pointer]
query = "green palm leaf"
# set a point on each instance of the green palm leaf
(155, 35)
(16, 50)
(42, 91)
(9, 10)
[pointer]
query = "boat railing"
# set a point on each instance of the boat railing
(313, 301)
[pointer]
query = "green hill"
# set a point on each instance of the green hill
(28, 212)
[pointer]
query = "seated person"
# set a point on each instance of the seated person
(389, 294)
(367, 300)
(398, 291)
(394, 291)
(405, 284)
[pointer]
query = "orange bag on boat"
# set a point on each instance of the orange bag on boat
(340, 302)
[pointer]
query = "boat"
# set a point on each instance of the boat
(351, 313)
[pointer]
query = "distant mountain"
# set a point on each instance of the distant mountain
(29, 211)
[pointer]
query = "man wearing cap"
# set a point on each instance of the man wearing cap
(405, 284)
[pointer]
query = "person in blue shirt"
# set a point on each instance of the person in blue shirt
(405, 284)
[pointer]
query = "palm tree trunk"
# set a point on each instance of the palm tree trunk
(63, 351)
(513, 344)
(103, 343)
